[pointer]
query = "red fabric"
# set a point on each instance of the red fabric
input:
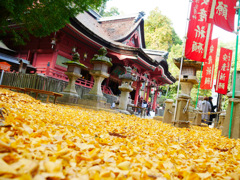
(197, 30)
(224, 14)
(5, 66)
(224, 68)
(209, 66)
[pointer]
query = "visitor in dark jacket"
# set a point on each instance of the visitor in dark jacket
(212, 110)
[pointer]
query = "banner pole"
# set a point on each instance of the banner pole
(183, 50)
(234, 75)
(1, 77)
(199, 85)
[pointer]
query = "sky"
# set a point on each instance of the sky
(175, 10)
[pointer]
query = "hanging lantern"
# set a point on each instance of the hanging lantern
(152, 90)
(159, 94)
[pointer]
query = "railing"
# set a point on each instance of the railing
(50, 72)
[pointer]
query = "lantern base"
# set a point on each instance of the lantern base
(123, 111)
(94, 97)
(68, 98)
(94, 102)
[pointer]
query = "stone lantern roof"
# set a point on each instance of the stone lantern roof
(188, 63)
(128, 75)
(101, 57)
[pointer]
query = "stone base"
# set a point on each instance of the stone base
(235, 131)
(236, 95)
(158, 118)
(123, 111)
(182, 124)
(197, 119)
(94, 97)
(182, 119)
(93, 104)
(68, 98)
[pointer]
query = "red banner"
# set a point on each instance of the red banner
(224, 68)
(223, 14)
(5, 66)
(209, 66)
(199, 31)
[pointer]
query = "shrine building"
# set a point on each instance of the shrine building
(122, 36)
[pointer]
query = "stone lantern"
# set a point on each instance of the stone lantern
(73, 72)
(125, 88)
(101, 63)
(187, 79)
(188, 75)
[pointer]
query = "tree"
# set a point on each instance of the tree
(112, 12)
(160, 35)
(159, 32)
(39, 17)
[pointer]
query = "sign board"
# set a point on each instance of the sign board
(5, 66)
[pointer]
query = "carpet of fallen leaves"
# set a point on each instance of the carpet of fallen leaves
(48, 141)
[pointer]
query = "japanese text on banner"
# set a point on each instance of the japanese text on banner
(199, 31)
(224, 68)
(209, 66)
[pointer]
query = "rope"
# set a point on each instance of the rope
(208, 112)
(181, 121)
(170, 111)
(186, 107)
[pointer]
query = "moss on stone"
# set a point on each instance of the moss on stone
(101, 57)
(76, 63)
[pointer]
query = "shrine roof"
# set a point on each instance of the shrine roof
(5, 49)
(119, 28)
(115, 28)
(110, 32)
(157, 55)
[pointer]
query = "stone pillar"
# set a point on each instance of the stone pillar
(186, 87)
(182, 119)
(168, 113)
(191, 114)
(125, 88)
(173, 110)
(98, 77)
(235, 131)
(221, 120)
(70, 95)
(198, 118)
(71, 84)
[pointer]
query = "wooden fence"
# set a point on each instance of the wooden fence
(37, 81)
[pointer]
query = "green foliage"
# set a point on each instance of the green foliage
(112, 12)
(159, 33)
(202, 92)
(39, 17)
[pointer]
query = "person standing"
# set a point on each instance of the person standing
(212, 110)
(199, 104)
(144, 106)
(206, 108)
(149, 109)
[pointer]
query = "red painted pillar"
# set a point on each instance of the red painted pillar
(155, 100)
(137, 92)
(34, 59)
(148, 92)
(48, 68)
